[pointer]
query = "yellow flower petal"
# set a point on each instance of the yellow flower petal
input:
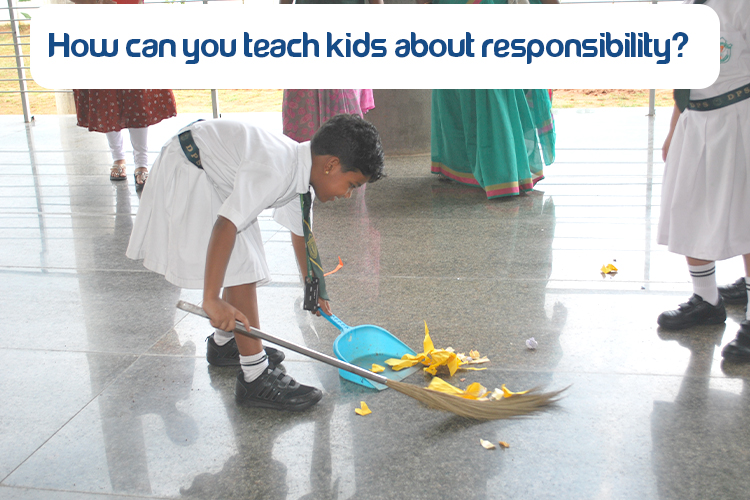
(413, 357)
(475, 391)
(428, 345)
(486, 444)
(453, 364)
(508, 393)
(504, 444)
(440, 385)
(377, 368)
(440, 357)
(400, 364)
(609, 268)
(364, 410)
(474, 354)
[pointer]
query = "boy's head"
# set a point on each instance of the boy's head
(354, 142)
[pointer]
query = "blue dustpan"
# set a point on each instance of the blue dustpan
(367, 344)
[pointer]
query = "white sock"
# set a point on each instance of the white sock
(704, 282)
(253, 366)
(747, 287)
(221, 337)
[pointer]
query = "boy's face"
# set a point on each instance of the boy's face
(334, 183)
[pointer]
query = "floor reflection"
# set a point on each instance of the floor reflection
(700, 441)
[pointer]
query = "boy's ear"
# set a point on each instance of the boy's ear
(332, 162)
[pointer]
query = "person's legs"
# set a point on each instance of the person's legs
(139, 141)
(223, 348)
(705, 307)
(258, 384)
(737, 292)
(703, 274)
(739, 348)
(252, 358)
(117, 172)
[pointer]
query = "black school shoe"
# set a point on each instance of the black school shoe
(229, 355)
(736, 293)
(739, 349)
(695, 311)
(276, 390)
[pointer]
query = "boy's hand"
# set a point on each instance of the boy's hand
(325, 306)
(223, 315)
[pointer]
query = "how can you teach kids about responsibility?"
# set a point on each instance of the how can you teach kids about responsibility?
(237, 46)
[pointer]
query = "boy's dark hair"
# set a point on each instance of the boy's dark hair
(354, 141)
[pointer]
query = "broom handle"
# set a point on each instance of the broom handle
(193, 309)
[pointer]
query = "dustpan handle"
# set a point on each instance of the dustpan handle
(335, 321)
(258, 334)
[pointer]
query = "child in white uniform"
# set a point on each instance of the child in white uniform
(706, 189)
(197, 225)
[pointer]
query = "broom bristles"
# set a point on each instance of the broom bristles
(515, 406)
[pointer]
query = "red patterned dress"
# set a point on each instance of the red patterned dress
(113, 110)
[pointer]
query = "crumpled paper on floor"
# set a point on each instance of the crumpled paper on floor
(609, 268)
(364, 410)
(435, 359)
(474, 391)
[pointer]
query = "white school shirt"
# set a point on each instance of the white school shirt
(253, 169)
(734, 16)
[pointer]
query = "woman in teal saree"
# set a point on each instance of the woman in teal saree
(497, 139)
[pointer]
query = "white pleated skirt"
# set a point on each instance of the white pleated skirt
(705, 202)
(177, 212)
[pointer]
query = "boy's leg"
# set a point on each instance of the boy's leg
(739, 348)
(271, 388)
(222, 348)
(705, 307)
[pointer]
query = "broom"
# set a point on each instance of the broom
(515, 406)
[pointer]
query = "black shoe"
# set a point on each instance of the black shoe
(695, 311)
(277, 390)
(739, 348)
(229, 355)
(736, 293)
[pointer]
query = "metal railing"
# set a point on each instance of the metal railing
(21, 67)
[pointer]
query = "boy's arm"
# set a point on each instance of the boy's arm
(298, 243)
(220, 246)
(672, 124)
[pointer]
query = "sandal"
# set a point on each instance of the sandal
(117, 172)
(140, 175)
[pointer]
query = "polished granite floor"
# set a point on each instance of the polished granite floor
(105, 392)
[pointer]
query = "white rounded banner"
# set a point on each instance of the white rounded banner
(231, 45)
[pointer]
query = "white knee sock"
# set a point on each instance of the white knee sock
(139, 141)
(704, 282)
(221, 337)
(747, 287)
(115, 145)
(253, 366)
